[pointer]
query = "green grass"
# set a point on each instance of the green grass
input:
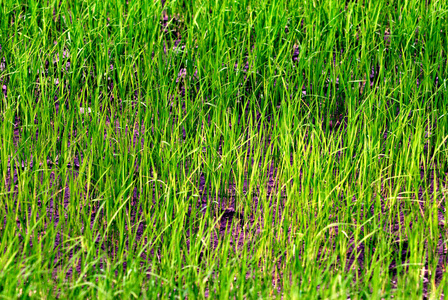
(337, 178)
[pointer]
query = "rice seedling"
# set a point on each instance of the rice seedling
(223, 149)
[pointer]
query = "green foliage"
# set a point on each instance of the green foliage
(223, 149)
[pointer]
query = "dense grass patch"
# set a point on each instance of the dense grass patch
(248, 149)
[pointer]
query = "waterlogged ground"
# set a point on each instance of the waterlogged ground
(249, 150)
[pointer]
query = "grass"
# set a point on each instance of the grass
(244, 149)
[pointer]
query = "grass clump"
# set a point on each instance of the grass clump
(200, 149)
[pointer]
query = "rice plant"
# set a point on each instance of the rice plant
(223, 149)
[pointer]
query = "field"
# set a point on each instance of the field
(244, 149)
